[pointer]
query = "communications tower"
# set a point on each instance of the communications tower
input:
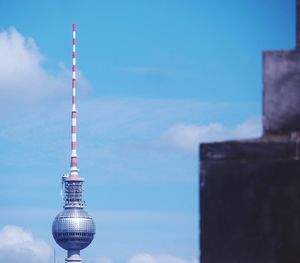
(73, 229)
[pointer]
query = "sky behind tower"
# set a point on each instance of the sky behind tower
(155, 79)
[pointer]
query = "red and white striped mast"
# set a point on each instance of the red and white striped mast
(74, 168)
(73, 182)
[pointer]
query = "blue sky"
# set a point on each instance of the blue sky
(155, 79)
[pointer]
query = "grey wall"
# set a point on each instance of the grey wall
(250, 202)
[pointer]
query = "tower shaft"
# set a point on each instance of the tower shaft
(74, 168)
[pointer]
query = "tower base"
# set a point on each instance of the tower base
(73, 257)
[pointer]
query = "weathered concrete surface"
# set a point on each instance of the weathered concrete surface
(281, 105)
(250, 202)
(250, 190)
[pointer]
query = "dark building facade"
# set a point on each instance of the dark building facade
(250, 190)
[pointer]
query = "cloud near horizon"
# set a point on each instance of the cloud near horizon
(163, 258)
(19, 246)
(187, 137)
(148, 258)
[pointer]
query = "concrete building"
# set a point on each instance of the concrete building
(250, 190)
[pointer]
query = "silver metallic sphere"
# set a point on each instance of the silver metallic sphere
(73, 229)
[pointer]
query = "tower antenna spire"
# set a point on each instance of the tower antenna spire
(74, 168)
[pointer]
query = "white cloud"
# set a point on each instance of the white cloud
(142, 258)
(148, 258)
(164, 258)
(19, 246)
(188, 137)
(102, 259)
(22, 76)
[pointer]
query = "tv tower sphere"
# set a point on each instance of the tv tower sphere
(73, 229)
